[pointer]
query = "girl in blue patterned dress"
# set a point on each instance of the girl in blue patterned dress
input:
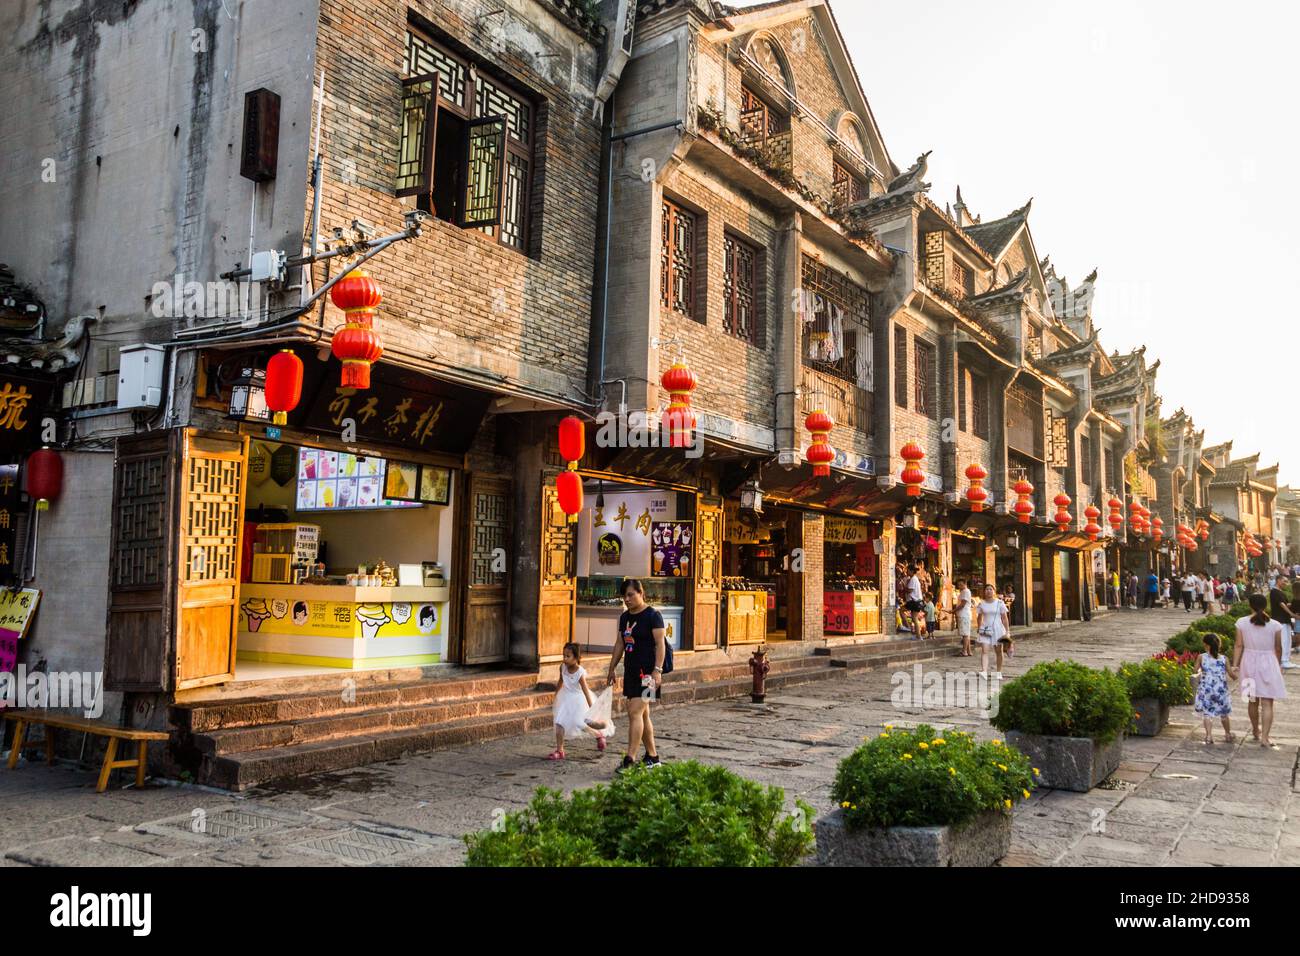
(1212, 696)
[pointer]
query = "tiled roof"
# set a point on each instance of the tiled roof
(993, 236)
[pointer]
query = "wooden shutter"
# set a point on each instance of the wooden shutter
(559, 583)
(708, 577)
(415, 156)
(900, 367)
(487, 594)
(484, 166)
(935, 267)
(138, 646)
(961, 398)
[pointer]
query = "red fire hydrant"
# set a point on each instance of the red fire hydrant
(760, 666)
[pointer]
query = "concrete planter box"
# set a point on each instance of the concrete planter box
(1153, 716)
(981, 841)
(1069, 763)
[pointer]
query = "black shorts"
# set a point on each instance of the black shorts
(914, 606)
(633, 690)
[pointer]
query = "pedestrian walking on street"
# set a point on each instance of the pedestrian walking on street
(1212, 696)
(1280, 611)
(1133, 591)
(574, 708)
(1114, 589)
(641, 646)
(963, 613)
(916, 602)
(1164, 594)
(993, 624)
(1257, 655)
(1189, 588)
(1207, 594)
(1152, 589)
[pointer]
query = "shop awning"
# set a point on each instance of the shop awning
(1071, 541)
(841, 491)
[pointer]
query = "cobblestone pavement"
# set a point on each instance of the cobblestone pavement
(1173, 801)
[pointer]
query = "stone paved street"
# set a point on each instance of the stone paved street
(1174, 800)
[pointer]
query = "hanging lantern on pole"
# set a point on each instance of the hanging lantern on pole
(356, 344)
(679, 381)
(1116, 518)
(912, 476)
(44, 477)
(1062, 518)
(573, 440)
(976, 494)
(1157, 528)
(283, 387)
(1024, 508)
(1091, 528)
(820, 453)
(568, 490)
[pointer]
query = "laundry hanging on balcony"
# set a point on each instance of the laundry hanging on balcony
(826, 335)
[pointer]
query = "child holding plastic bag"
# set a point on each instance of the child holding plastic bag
(576, 712)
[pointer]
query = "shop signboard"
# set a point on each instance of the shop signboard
(837, 612)
(23, 402)
(10, 506)
(840, 530)
(262, 615)
(670, 543)
(17, 606)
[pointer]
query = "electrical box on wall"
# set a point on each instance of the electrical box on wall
(140, 376)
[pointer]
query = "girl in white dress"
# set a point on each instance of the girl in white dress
(992, 624)
(575, 712)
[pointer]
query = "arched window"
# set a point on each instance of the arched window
(771, 60)
(850, 135)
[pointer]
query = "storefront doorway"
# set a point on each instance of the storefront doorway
(851, 596)
(756, 574)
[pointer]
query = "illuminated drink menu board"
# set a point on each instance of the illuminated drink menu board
(339, 481)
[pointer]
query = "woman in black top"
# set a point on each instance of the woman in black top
(640, 644)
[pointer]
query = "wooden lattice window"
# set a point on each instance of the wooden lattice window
(1060, 441)
(963, 280)
(677, 259)
(141, 545)
(467, 144)
(935, 268)
(1085, 460)
(836, 306)
(979, 401)
(491, 533)
(924, 379)
(765, 128)
(961, 399)
(743, 306)
(847, 186)
(900, 366)
(213, 517)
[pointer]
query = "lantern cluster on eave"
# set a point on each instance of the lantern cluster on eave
(912, 476)
(679, 381)
(820, 453)
(1062, 519)
(976, 494)
(1024, 507)
(568, 484)
(356, 344)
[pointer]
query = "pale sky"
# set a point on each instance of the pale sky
(1159, 141)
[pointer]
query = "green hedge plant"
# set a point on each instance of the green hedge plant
(678, 814)
(1221, 624)
(1167, 681)
(916, 778)
(1193, 641)
(1065, 699)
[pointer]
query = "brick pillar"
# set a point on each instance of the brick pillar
(947, 387)
(888, 593)
(813, 577)
(786, 331)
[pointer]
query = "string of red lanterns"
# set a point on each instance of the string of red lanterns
(1063, 518)
(1024, 507)
(976, 494)
(820, 453)
(1157, 528)
(912, 476)
(1092, 529)
(356, 344)
(283, 388)
(568, 484)
(679, 381)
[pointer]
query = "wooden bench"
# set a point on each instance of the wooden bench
(52, 722)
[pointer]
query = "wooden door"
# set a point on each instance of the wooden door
(214, 474)
(707, 598)
(559, 583)
(138, 648)
(487, 579)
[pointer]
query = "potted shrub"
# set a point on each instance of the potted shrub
(1192, 640)
(1154, 686)
(676, 814)
(921, 798)
(1068, 719)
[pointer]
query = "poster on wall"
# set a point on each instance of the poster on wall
(670, 544)
(338, 481)
(17, 606)
(609, 550)
(839, 530)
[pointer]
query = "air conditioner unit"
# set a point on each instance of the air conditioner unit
(140, 376)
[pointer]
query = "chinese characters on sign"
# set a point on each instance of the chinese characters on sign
(16, 610)
(21, 406)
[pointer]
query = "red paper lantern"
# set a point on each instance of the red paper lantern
(1062, 518)
(679, 382)
(44, 477)
(573, 440)
(1024, 508)
(1157, 528)
(912, 476)
(820, 453)
(1116, 519)
(356, 344)
(976, 494)
(1092, 529)
(568, 489)
(283, 384)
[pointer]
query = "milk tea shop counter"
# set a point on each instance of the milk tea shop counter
(344, 563)
(631, 531)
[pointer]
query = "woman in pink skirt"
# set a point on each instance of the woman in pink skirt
(1258, 656)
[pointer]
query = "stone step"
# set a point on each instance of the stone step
(208, 715)
(238, 758)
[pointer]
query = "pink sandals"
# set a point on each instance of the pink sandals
(555, 755)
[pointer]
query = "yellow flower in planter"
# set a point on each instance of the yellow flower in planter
(1026, 793)
(1036, 772)
(844, 805)
(906, 757)
(997, 743)
(1008, 804)
(923, 745)
(952, 771)
(1002, 767)
(939, 741)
